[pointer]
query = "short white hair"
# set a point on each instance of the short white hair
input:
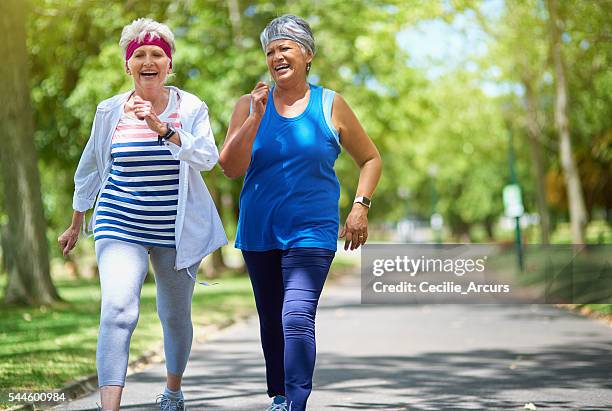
(140, 28)
(289, 27)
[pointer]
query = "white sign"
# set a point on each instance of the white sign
(513, 204)
(436, 221)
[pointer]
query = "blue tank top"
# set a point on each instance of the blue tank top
(290, 194)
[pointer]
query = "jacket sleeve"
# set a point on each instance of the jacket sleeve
(87, 180)
(198, 148)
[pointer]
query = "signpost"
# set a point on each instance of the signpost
(513, 203)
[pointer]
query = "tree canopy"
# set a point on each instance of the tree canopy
(441, 128)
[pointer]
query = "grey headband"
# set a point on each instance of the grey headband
(288, 27)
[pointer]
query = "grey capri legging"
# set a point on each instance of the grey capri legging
(123, 267)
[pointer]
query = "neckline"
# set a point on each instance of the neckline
(299, 116)
(164, 113)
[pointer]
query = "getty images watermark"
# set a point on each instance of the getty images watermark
(485, 273)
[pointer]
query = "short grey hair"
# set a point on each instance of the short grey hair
(140, 28)
(288, 27)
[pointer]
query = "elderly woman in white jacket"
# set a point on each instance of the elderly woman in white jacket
(141, 168)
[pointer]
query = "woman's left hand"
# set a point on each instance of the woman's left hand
(356, 227)
(143, 110)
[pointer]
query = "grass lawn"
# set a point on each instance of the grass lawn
(581, 282)
(603, 309)
(43, 348)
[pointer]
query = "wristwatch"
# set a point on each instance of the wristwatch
(363, 200)
(171, 131)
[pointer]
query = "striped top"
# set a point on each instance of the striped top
(139, 201)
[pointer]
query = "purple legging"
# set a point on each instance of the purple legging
(287, 285)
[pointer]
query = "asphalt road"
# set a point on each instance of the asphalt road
(414, 357)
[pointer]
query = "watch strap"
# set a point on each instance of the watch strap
(363, 200)
(171, 131)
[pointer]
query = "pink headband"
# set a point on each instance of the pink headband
(148, 41)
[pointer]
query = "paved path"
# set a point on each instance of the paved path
(433, 357)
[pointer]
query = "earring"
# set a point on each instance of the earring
(308, 67)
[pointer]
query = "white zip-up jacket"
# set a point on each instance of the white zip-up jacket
(198, 228)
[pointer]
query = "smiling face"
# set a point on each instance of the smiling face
(149, 66)
(287, 60)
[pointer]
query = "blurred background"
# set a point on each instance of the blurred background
(493, 118)
(461, 98)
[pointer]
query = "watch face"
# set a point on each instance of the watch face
(363, 200)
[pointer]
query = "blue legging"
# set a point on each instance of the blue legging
(287, 285)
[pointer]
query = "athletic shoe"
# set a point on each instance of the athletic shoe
(168, 404)
(279, 403)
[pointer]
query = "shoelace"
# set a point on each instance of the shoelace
(278, 407)
(167, 404)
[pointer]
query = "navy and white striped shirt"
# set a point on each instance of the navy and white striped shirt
(139, 202)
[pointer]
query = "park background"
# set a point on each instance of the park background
(461, 97)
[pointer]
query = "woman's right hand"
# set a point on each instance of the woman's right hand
(68, 240)
(235, 155)
(259, 98)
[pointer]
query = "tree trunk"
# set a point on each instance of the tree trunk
(234, 15)
(24, 239)
(8, 261)
(533, 130)
(577, 212)
(488, 224)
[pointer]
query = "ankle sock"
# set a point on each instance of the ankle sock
(174, 395)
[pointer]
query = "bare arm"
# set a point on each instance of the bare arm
(235, 155)
(69, 238)
(357, 143)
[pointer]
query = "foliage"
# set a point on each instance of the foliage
(440, 133)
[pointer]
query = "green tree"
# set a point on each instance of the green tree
(578, 217)
(414, 119)
(522, 26)
(24, 246)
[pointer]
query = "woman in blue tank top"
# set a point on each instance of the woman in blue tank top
(286, 140)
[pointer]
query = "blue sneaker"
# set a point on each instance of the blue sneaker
(279, 403)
